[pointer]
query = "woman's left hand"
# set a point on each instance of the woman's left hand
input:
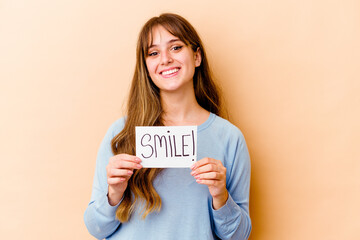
(212, 173)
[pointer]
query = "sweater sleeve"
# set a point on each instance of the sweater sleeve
(99, 215)
(232, 221)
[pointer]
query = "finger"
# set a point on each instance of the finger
(210, 176)
(126, 157)
(125, 164)
(207, 182)
(114, 172)
(115, 180)
(206, 161)
(202, 162)
(205, 168)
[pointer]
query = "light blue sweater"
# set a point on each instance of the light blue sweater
(186, 212)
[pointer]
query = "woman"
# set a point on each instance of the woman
(172, 85)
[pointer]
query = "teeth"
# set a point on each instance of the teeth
(170, 71)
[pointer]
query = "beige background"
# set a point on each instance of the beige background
(289, 70)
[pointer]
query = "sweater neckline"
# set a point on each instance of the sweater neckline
(207, 123)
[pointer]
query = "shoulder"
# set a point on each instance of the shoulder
(116, 127)
(226, 129)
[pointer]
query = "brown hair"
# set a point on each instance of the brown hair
(144, 108)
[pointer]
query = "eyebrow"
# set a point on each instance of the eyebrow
(170, 41)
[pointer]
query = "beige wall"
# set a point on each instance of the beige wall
(290, 72)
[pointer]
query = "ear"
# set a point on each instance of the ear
(197, 56)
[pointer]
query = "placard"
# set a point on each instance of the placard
(166, 146)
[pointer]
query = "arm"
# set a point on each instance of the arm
(229, 187)
(111, 177)
(232, 221)
(99, 216)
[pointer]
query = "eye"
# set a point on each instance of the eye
(152, 54)
(175, 48)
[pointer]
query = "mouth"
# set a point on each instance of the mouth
(170, 72)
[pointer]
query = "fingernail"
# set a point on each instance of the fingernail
(192, 173)
(139, 166)
(192, 167)
(130, 172)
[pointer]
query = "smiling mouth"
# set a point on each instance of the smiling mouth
(169, 72)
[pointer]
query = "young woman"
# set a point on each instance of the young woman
(172, 86)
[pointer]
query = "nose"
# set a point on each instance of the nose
(166, 58)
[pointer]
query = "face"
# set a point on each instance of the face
(170, 62)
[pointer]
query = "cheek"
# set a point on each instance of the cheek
(151, 67)
(189, 59)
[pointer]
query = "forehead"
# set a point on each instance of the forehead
(160, 35)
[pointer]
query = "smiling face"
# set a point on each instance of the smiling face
(170, 62)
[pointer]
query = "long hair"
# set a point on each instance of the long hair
(144, 108)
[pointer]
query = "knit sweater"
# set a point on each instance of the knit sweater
(186, 211)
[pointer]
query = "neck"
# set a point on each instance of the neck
(182, 109)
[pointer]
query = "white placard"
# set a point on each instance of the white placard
(166, 146)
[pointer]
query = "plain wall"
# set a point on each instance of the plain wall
(289, 71)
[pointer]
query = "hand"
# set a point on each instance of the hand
(118, 171)
(212, 173)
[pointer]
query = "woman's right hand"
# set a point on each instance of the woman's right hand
(118, 171)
